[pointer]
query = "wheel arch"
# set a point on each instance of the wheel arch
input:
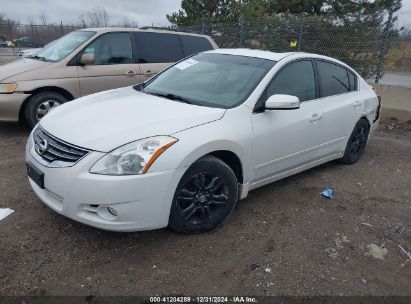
(232, 160)
(55, 89)
(365, 117)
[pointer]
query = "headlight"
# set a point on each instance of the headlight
(133, 158)
(7, 88)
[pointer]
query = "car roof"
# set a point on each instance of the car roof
(274, 56)
(254, 53)
(130, 29)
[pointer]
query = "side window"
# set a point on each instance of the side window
(111, 48)
(296, 79)
(353, 80)
(333, 79)
(158, 47)
(193, 44)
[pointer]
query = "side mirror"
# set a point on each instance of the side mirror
(282, 102)
(87, 59)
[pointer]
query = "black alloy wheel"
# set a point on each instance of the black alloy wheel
(205, 196)
(356, 143)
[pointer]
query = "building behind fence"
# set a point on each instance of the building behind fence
(368, 46)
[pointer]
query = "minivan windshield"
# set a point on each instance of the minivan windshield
(61, 48)
(210, 79)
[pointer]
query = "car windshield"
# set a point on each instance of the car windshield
(61, 48)
(210, 79)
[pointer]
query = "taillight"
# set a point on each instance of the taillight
(378, 96)
(377, 115)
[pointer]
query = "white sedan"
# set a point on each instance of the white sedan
(180, 149)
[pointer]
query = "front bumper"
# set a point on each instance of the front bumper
(10, 105)
(142, 202)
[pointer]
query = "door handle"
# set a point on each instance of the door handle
(315, 117)
(357, 104)
(131, 73)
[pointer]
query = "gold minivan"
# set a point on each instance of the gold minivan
(88, 61)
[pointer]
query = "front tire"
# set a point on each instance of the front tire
(205, 197)
(41, 104)
(356, 143)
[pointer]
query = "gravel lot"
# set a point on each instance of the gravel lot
(284, 239)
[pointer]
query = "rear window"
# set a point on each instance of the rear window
(158, 47)
(193, 44)
(353, 80)
(333, 79)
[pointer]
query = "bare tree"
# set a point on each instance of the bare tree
(98, 17)
(82, 20)
(129, 23)
(30, 20)
(43, 17)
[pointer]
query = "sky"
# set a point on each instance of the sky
(144, 12)
(406, 5)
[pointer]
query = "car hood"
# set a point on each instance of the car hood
(20, 66)
(107, 120)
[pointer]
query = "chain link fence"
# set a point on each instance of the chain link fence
(397, 61)
(16, 37)
(42, 33)
(372, 48)
(380, 52)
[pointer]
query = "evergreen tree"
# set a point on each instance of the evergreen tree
(192, 12)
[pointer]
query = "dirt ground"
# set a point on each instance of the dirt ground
(284, 239)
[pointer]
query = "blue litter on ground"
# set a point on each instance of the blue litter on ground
(328, 193)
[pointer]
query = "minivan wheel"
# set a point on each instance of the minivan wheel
(41, 104)
(356, 143)
(205, 196)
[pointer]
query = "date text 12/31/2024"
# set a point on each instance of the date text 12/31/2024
(199, 299)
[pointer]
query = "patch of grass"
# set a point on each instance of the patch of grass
(399, 58)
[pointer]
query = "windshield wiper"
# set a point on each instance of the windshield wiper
(140, 87)
(38, 57)
(170, 96)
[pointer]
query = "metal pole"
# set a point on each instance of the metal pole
(300, 36)
(37, 33)
(203, 26)
(10, 29)
(11, 35)
(241, 28)
(384, 48)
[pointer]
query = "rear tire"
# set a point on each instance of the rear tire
(205, 196)
(356, 143)
(41, 104)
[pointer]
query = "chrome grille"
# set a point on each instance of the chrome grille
(53, 149)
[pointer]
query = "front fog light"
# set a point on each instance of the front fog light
(107, 213)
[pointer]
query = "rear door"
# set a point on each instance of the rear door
(157, 51)
(341, 104)
(113, 66)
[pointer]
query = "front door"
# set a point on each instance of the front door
(113, 65)
(286, 139)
